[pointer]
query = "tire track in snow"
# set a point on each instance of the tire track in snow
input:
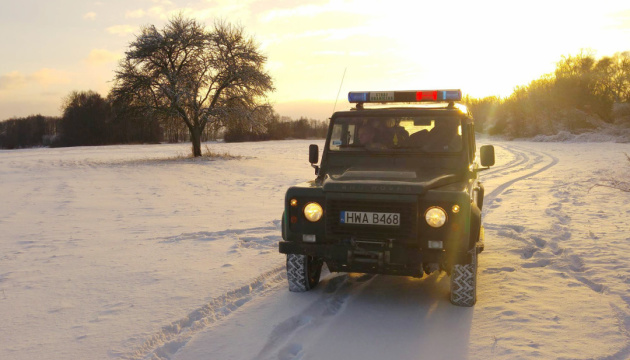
(489, 199)
(284, 341)
(624, 326)
(519, 159)
(165, 343)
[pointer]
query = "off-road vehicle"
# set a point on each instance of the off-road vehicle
(397, 192)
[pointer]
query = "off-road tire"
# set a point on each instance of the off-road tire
(303, 272)
(464, 282)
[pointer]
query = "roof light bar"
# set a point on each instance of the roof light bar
(404, 96)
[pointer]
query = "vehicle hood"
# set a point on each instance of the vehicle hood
(399, 181)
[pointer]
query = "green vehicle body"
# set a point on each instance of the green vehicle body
(400, 182)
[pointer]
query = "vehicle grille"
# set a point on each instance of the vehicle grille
(406, 230)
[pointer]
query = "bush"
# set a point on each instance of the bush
(621, 114)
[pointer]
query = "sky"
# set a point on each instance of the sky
(315, 49)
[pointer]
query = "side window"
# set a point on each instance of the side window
(335, 137)
(342, 135)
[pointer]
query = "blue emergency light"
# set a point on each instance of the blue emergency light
(404, 96)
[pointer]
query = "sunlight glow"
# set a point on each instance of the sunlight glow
(484, 47)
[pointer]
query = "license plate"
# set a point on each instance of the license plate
(369, 218)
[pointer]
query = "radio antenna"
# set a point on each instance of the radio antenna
(340, 85)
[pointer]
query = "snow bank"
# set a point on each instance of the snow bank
(607, 134)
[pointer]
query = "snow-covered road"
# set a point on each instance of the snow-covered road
(107, 253)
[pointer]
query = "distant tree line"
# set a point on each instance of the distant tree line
(87, 119)
(31, 131)
(583, 94)
(90, 119)
(275, 127)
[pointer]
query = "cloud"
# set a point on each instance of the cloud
(341, 53)
(12, 80)
(101, 56)
(229, 9)
(44, 77)
(47, 77)
(300, 11)
(121, 30)
(330, 34)
(135, 14)
(234, 11)
(158, 11)
(215, 9)
(620, 20)
(163, 13)
(89, 16)
(339, 7)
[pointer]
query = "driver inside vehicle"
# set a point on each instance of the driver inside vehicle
(381, 134)
(367, 136)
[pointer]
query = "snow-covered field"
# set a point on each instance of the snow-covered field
(120, 252)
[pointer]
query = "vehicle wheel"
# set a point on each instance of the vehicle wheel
(303, 272)
(464, 282)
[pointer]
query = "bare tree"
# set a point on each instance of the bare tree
(193, 74)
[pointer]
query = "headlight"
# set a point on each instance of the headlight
(435, 216)
(313, 212)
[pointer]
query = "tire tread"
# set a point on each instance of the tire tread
(464, 282)
(297, 273)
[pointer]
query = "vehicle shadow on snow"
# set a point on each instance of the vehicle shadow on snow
(397, 317)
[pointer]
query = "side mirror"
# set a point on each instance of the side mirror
(313, 157)
(313, 154)
(486, 155)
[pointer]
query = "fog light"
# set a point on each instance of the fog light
(435, 244)
(308, 238)
(293, 219)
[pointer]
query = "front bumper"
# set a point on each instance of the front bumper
(370, 258)
(365, 258)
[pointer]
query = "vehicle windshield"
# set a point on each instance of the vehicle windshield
(441, 134)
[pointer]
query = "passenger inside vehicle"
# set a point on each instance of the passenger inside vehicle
(443, 137)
